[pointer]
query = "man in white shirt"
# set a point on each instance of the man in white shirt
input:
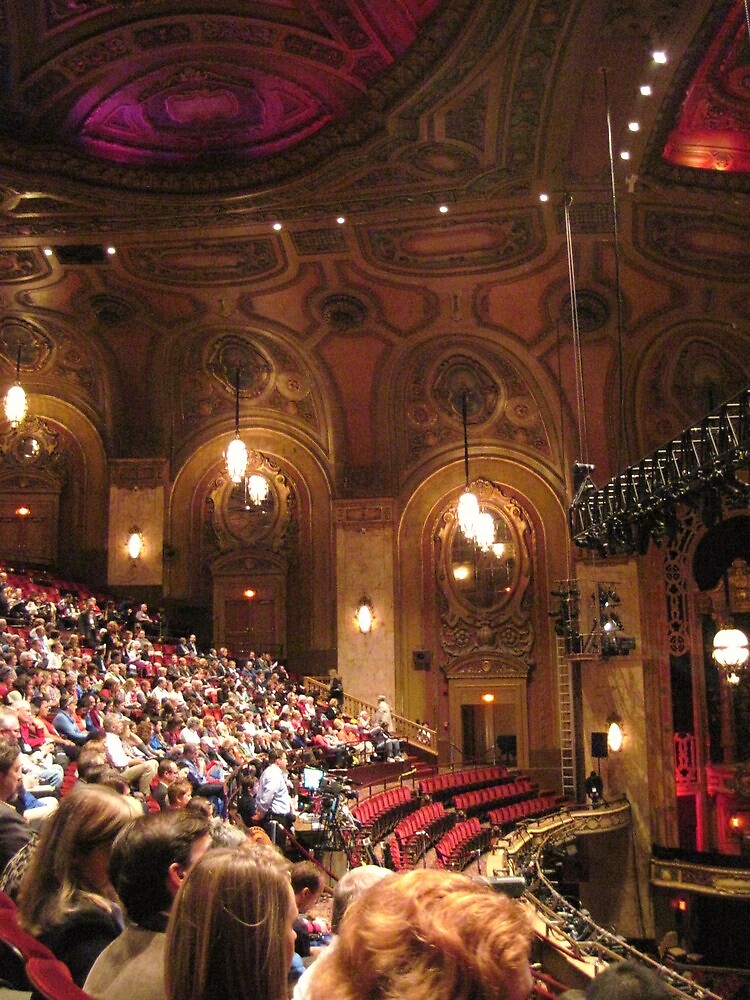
(273, 799)
(132, 769)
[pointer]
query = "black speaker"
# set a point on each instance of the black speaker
(599, 745)
(422, 659)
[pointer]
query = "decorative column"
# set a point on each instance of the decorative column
(364, 569)
(136, 504)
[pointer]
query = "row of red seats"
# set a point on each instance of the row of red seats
(422, 819)
(454, 849)
(529, 807)
(371, 809)
(474, 777)
(497, 793)
(26, 963)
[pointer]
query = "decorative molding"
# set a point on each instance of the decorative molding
(138, 473)
(703, 879)
(499, 243)
(361, 514)
(679, 238)
(205, 262)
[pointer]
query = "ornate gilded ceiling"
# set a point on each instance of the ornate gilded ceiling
(347, 191)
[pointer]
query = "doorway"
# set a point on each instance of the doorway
(489, 721)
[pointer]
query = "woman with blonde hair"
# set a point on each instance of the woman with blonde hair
(231, 928)
(428, 935)
(66, 898)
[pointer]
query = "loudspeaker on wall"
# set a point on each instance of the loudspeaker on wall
(422, 659)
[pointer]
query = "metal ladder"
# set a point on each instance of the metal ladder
(567, 725)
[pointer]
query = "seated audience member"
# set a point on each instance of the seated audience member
(348, 888)
(167, 773)
(66, 898)
(428, 935)
(134, 770)
(307, 886)
(627, 981)
(384, 747)
(150, 860)
(231, 929)
(15, 832)
(179, 794)
(195, 768)
(66, 723)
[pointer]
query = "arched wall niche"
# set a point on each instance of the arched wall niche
(279, 389)
(301, 540)
(422, 694)
(690, 369)
(72, 467)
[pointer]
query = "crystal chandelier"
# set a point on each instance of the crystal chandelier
(730, 647)
(15, 398)
(256, 487)
(236, 453)
(468, 505)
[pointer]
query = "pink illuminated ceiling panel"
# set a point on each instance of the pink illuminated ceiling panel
(179, 115)
(178, 89)
(713, 128)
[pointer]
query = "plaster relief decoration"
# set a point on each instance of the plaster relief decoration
(36, 347)
(204, 262)
(268, 531)
(499, 243)
(500, 403)
(485, 598)
(684, 376)
(270, 377)
(700, 243)
(21, 265)
(32, 455)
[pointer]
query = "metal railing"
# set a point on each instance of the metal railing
(417, 733)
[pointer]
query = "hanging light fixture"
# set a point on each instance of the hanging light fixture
(730, 646)
(484, 532)
(236, 453)
(468, 505)
(256, 487)
(15, 398)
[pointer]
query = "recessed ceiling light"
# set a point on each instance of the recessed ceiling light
(443, 209)
(659, 56)
(624, 154)
(634, 126)
(48, 251)
(111, 251)
(341, 220)
(543, 197)
(646, 90)
(277, 226)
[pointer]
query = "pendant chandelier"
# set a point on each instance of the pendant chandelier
(468, 505)
(730, 646)
(236, 453)
(237, 459)
(15, 398)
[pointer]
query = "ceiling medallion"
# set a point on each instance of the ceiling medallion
(343, 312)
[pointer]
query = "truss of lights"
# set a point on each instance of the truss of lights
(639, 505)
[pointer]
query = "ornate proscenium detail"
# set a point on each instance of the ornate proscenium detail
(639, 505)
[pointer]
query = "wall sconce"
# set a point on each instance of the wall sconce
(614, 733)
(364, 615)
(135, 544)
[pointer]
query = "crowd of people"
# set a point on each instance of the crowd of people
(151, 873)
